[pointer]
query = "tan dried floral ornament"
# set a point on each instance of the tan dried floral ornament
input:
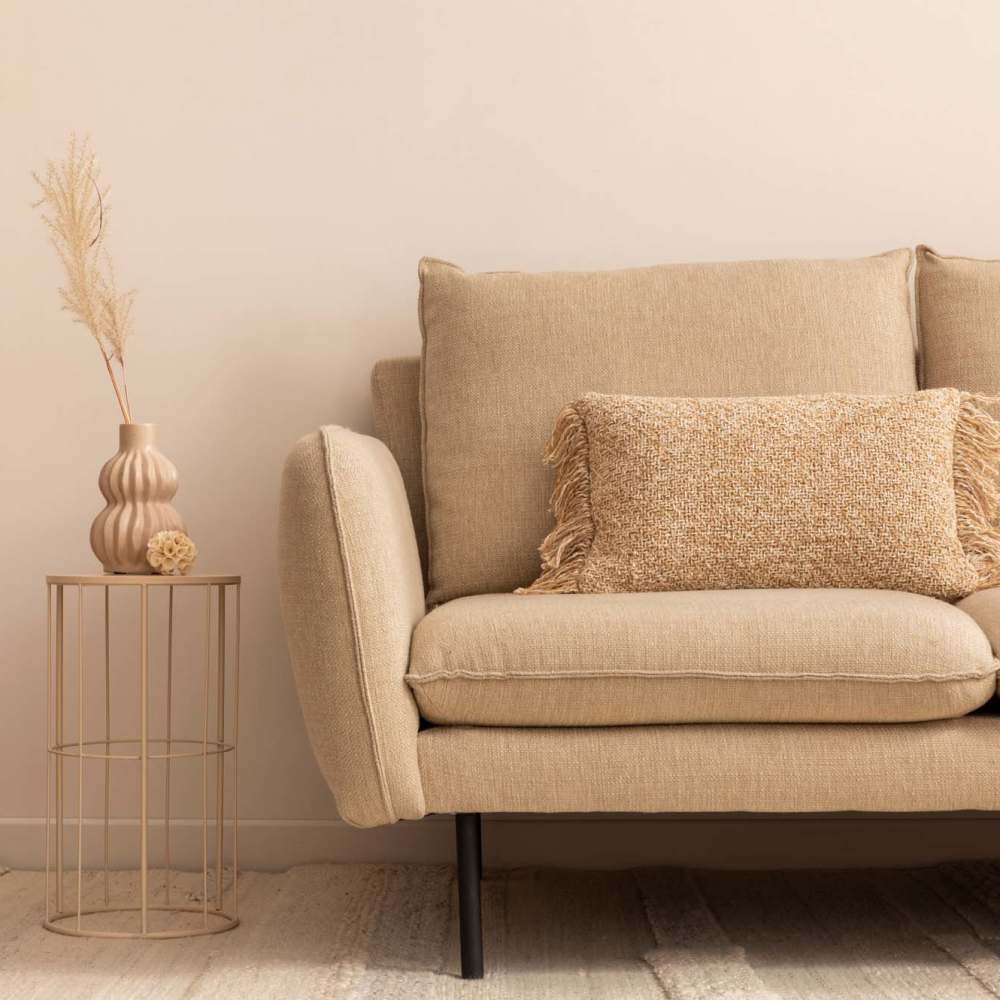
(171, 553)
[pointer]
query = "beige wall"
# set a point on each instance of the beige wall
(278, 168)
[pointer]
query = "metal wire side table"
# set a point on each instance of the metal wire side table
(157, 675)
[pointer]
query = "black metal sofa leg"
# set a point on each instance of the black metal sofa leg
(469, 842)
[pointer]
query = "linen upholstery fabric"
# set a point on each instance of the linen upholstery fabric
(396, 409)
(984, 608)
(503, 353)
(699, 656)
(351, 592)
(891, 492)
(958, 307)
(919, 767)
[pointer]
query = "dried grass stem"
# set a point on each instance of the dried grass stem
(76, 213)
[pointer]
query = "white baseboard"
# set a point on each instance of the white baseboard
(514, 841)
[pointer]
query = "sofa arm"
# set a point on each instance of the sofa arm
(351, 593)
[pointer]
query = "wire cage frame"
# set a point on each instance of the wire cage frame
(66, 911)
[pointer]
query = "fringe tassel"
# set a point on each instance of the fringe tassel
(565, 548)
(977, 487)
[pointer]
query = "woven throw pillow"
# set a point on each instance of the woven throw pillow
(891, 492)
(504, 352)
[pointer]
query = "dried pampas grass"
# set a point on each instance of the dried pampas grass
(75, 210)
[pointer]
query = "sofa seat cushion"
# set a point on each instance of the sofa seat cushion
(699, 656)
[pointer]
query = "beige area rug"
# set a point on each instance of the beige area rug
(356, 931)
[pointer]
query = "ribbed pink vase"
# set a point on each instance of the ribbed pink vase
(138, 484)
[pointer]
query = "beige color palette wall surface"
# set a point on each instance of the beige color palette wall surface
(277, 171)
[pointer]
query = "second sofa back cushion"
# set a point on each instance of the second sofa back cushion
(958, 306)
(504, 352)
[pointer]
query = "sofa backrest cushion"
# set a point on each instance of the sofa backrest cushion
(958, 312)
(504, 352)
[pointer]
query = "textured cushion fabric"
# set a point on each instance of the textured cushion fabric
(890, 492)
(351, 592)
(958, 307)
(923, 767)
(984, 608)
(503, 353)
(699, 656)
(396, 409)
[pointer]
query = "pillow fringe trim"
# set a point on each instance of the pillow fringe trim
(977, 487)
(564, 551)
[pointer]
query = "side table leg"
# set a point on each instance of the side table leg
(170, 731)
(220, 758)
(48, 750)
(204, 759)
(236, 761)
(81, 700)
(107, 746)
(60, 769)
(144, 754)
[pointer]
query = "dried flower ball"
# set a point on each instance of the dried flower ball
(171, 553)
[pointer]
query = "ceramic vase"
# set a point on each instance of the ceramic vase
(138, 484)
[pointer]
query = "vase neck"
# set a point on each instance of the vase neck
(136, 435)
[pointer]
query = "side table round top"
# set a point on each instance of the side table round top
(140, 579)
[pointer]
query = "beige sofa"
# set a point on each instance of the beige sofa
(411, 712)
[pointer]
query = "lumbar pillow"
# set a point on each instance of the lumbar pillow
(958, 307)
(890, 492)
(503, 352)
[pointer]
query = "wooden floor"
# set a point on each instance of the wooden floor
(365, 931)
